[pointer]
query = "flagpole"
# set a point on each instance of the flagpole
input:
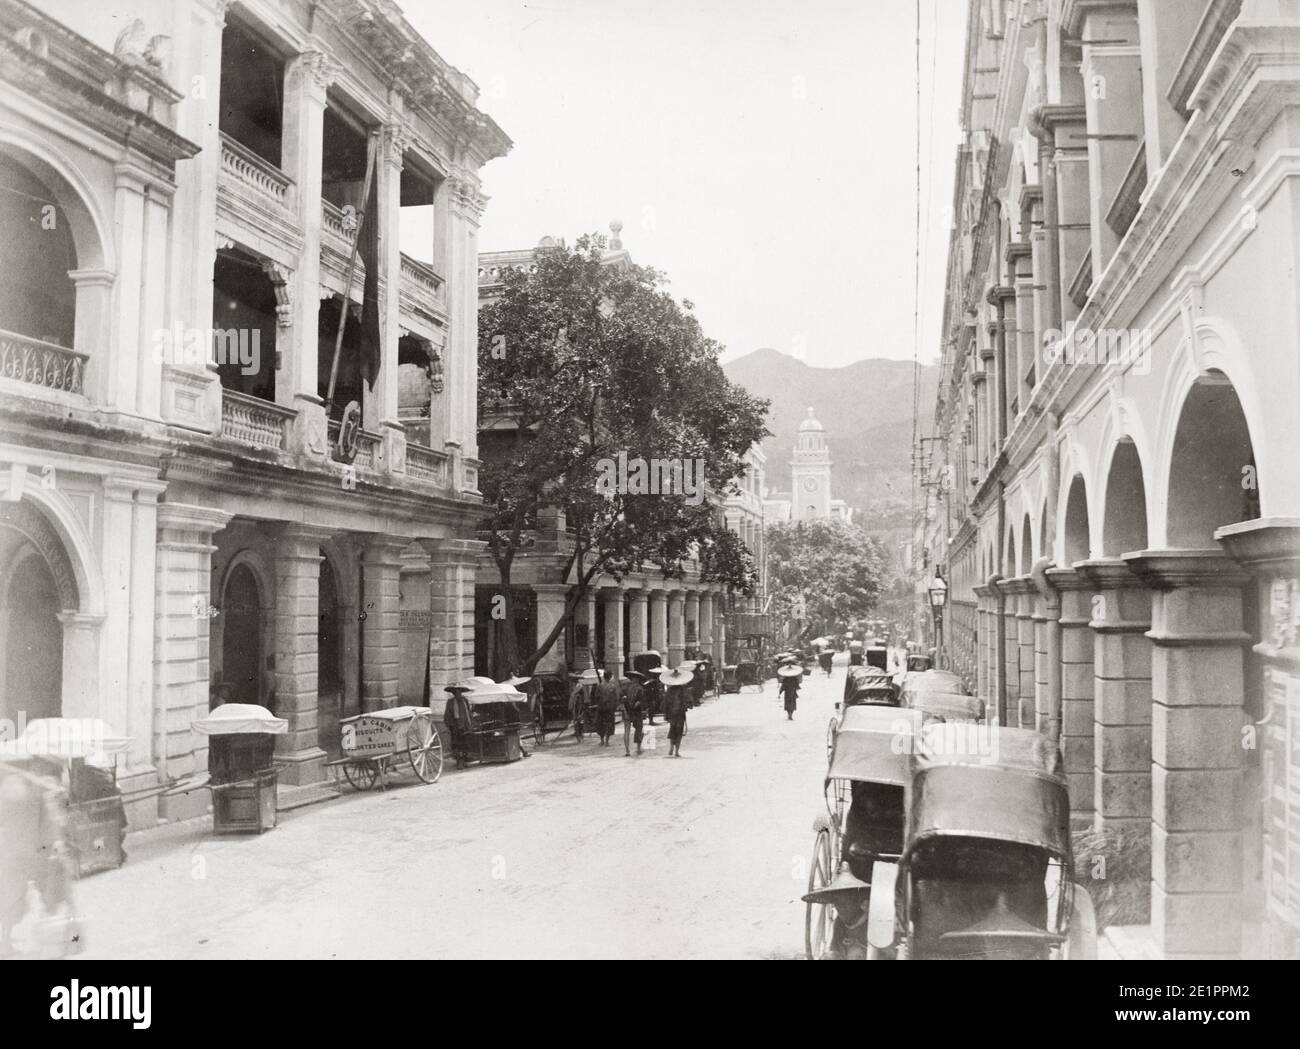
(352, 269)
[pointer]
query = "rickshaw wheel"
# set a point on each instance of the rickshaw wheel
(424, 749)
(831, 729)
(819, 920)
(360, 774)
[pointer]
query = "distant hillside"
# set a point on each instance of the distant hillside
(866, 408)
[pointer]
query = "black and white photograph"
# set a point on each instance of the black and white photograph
(649, 480)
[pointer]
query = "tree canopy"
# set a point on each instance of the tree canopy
(587, 368)
(824, 571)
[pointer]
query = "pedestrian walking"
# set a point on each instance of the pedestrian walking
(633, 711)
(578, 708)
(826, 658)
(790, 676)
(607, 700)
(675, 703)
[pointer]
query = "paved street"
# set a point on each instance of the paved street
(576, 851)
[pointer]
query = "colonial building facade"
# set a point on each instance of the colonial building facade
(180, 194)
(1119, 434)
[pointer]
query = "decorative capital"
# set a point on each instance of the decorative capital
(466, 196)
(395, 141)
(321, 69)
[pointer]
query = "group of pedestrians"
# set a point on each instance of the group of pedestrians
(608, 696)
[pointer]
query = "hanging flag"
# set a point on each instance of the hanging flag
(370, 338)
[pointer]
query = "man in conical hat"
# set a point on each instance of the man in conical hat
(675, 704)
(789, 676)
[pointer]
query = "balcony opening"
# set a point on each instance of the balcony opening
(417, 221)
(243, 322)
(37, 297)
(417, 362)
(349, 384)
(343, 158)
(252, 92)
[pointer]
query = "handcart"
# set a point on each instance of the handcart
(374, 744)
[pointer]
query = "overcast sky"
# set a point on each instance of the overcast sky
(760, 152)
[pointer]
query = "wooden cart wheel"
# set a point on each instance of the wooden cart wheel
(360, 774)
(424, 749)
(819, 921)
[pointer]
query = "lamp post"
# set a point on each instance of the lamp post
(938, 590)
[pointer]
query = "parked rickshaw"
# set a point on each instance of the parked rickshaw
(747, 671)
(864, 677)
(865, 789)
(931, 681)
(241, 770)
(877, 656)
(377, 743)
(548, 700)
(987, 868)
(919, 663)
(484, 719)
(864, 687)
(946, 706)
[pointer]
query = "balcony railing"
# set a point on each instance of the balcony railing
(41, 363)
(421, 289)
(367, 446)
(260, 177)
(424, 464)
(254, 421)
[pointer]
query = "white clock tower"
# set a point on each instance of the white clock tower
(810, 472)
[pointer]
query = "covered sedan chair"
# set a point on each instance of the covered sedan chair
(987, 866)
(866, 778)
(243, 778)
(86, 752)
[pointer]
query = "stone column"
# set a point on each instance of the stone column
(586, 617)
(453, 569)
(1020, 257)
(719, 630)
(706, 621)
(1270, 550)
(1077, 689)
(306, 79)
(676, 628)
(381, 403)
(1166, 28)
(297, 559)
(181, 645)
(659, 622)
(414, 625)
(1047, 653)
(1021, 633)
(638, 609)
(381, 638)
(551, 599)
(692, 619)
(983, 667)
(613, 599)
(1197, 687)
(1010, 678)
(465, 209)
(1121, 617)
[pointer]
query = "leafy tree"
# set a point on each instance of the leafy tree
(583, 365)
(824, 572)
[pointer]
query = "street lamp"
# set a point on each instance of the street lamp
(938, 590)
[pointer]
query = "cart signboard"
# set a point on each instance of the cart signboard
(366, 736)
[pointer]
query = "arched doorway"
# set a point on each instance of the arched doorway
(33, 639)
(241, 638)
(1078, 541)
(329, 662)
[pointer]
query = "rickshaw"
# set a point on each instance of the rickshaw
(946, 706)
(863, 687)
(548, 695)
(483, 720)
(987, 867)
(648, 664)
(865, 785)
(919, 663)
(931, 681)
(747, 670)
(877, 656)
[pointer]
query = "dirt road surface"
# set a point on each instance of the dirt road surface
(574, 852)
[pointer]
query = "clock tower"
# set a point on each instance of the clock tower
(810, 472)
